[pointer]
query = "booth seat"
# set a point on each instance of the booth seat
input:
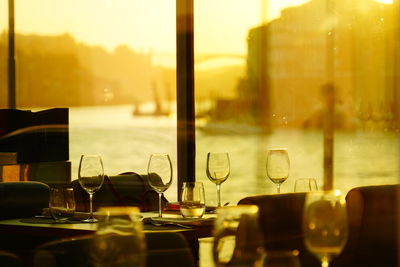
(126, 189)
(373, 214)
(22, 199)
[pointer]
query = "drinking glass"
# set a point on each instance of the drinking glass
(218, 170)
(305, 185)
(193, 203)
(278, 165)
(91, 177)
(159, 171)
(237, 237)
(325, 224)
(62, 204)
(119, 239)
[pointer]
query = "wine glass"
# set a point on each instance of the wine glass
(325, 224)
(278, 165)
(91, 177)
(119, 239)
(159, 171)
(305, 185)
(238, 240)
(218, 170)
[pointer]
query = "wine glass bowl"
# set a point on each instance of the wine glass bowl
(159, 172)
(278, 166)
(91, 178)
(325, 224)
(305, 185)
(218, 170)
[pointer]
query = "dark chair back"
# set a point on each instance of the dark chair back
(374, 225)
(280, 218)
(22, 199)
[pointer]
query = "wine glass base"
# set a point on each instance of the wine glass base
(90, 220)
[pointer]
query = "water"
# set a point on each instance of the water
(126, 142)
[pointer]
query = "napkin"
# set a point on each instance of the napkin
(181, 221)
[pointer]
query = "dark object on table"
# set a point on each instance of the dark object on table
(127, 189)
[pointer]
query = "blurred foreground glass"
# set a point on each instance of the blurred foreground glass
(159, 171)
(91, 178)
(325, 224)
(278, 165)
(218, 170)
(62, 204)
(193, 200)
(237, 237)
(119, 239)
(281, 258)
(305, 185)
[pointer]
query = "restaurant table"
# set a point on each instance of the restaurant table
(23, 235)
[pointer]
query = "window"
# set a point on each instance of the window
(270, 75)
(112, 63)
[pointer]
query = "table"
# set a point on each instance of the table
(22, 235)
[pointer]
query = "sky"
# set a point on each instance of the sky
(147, 25)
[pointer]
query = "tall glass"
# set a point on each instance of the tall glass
(278, 165)
(91, 178)
(119, 239)
(218, 170)
(305, 185)
(325, 224)
(159, 171)
(62, 204)
(238, 240)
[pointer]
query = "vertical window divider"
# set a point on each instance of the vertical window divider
(186, 146)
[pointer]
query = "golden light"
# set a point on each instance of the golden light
(385, 1)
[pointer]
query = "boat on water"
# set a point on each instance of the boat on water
(229, 128)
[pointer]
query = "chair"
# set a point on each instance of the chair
(9, 259)
(280, 218)
(22, 199)
(163, 249)
(374, 225)
(126, 189)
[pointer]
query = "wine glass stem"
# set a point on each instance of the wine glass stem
(324, 261)
(278, 188)
(159, 205)
(91, 205)
(219, 194)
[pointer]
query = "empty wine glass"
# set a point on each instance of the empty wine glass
(218, 170)
(91, 177)
(325, 224)
(305, 185)
(278, 165)
(159, 171)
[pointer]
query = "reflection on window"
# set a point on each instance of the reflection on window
(314, 59)
(112, 63)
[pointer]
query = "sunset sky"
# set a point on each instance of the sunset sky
(145, 25)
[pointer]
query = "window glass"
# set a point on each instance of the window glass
(3, 52)
(310, 76)
(112, 63)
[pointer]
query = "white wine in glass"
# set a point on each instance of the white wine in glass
(218, 170)
(325, 224)
(159, 171)
(278, 166)
(91, 178)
